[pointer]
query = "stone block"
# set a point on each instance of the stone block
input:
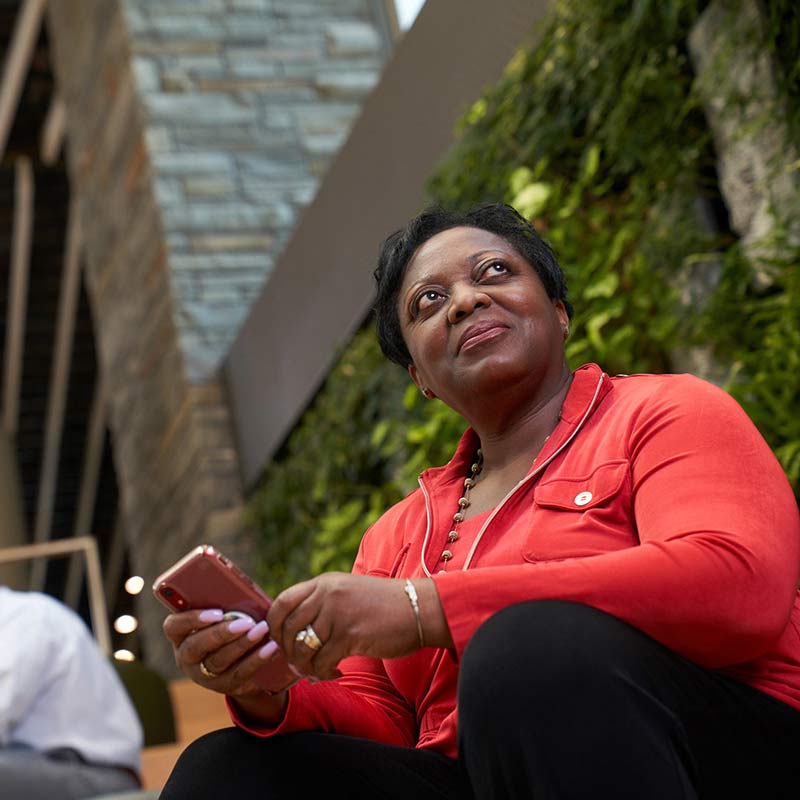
(191, 27)
(169, 192)
(295, 9)
(263, 167)
(136, 19)
(233, 243)
(192, 7)
(177, 242)
(248, 27)
(255, 86)
(201, 65)
(259, 190)
(207, 163)
(326, 118)
(206, 262)
(289, 47)
(324, 143)
(158, 139)
(213, 109)
(205, 186)
(251, 62)
(147, 75)
(250, 5)
(352, 38)
(346, 84)
(233, 138)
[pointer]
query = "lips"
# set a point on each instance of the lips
(479, 333)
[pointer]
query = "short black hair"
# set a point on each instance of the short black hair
(398, 249)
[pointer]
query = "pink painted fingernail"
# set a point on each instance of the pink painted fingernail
(211, 615)
(240, 625)
(268, 649)
(260, 630)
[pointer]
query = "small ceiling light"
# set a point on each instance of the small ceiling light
(126, 624)
(124, 655)
(134, 585)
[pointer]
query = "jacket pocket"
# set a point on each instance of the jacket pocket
(583, 493)
(582, 515)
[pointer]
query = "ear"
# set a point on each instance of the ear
(415, 376)
(561, 313)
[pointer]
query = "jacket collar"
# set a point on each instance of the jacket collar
(589, 386)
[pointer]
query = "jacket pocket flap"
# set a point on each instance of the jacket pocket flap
(582, 493)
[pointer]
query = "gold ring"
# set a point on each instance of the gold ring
(207, 672)
(308, 637)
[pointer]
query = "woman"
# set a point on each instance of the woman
(596, 597)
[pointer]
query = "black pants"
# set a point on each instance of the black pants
(557, 701)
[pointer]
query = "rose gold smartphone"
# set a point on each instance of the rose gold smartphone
(204, 578)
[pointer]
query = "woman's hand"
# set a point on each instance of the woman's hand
(231, 651)
(353, 615)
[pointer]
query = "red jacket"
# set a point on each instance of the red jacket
(655, 499)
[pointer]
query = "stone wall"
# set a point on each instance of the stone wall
(246, 102)
(196, 131)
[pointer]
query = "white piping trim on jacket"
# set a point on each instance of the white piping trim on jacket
(497, 508)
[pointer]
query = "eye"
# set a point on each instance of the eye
(426, 300)
(494, 268)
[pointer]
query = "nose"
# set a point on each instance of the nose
(464, 300)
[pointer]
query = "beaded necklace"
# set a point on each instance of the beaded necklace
(463, 503)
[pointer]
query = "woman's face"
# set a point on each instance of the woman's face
(473, 313)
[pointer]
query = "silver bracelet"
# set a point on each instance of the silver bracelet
(413, 598)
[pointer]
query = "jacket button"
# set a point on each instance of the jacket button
(582, 498)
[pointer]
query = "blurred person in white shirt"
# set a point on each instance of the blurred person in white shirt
(67, 727)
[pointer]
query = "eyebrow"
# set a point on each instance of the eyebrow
(472, 259)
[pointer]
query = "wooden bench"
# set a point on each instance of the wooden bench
(197, 711)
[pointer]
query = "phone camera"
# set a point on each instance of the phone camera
(169, 592)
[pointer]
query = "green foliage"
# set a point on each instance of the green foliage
(332, 480)
(758, 333)
(596, 133)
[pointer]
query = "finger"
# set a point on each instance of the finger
(229, 654)
(237, 680)
(294, 626)
(178, 626)
(302, 656)
(325, 663)
(306, 658)
(284, 604)
(241, 677)
(322, 662)
(199, 645)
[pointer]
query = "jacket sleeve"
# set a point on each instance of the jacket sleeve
(363, 702)
(715, 574)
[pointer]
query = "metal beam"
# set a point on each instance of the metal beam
(17, 292)
(59, 378)
(82, 544)
(53, 131)
(90, 476)
(18, 59)
(115, 561)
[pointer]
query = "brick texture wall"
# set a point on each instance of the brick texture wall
(196, 132)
